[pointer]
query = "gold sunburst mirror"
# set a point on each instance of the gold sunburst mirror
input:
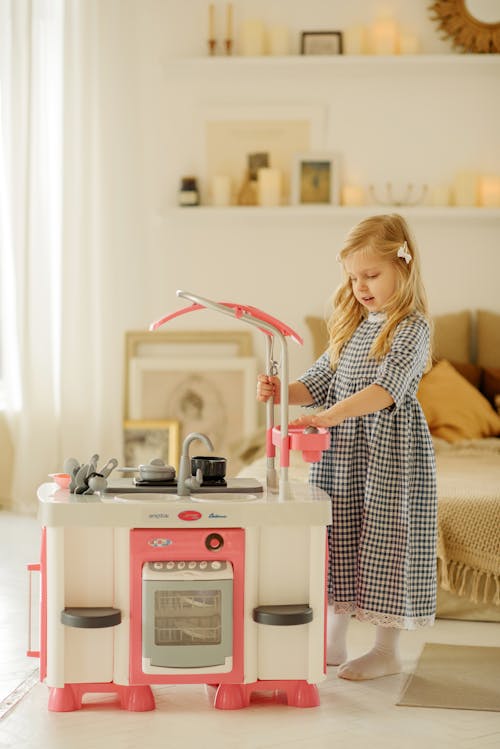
(473, 25)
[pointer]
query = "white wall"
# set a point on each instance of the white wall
(405, 124)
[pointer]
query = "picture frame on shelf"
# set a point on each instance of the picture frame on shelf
(146, 439)
(321, 43)
(182, 343)
(229, 134)
(315, 179)
(213, 396)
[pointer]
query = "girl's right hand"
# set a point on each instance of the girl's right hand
(268, 387)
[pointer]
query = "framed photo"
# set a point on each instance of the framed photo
(231, 134)
(144, 440)
(315, 179)
(182, 343)
(321, 43)
(212, 396)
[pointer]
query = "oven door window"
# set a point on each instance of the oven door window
(188, 617)
(187, 624)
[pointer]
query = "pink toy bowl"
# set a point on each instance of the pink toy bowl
(62, 480)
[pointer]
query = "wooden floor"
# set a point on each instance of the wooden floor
(351, 715)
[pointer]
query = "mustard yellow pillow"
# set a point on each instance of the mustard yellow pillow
(319, 333)
(454, 409)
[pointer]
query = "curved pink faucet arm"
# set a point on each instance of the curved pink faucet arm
(239, 311)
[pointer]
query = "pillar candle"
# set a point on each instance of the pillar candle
(355, 40)
(279, 40)
(409, 43)
(269, 185)
(439, 195)
(489, 191)
(465, 189)
(353, 195)
(221, 190)
(211, 21)
(252, 38)
(384, 36)
(229, 21)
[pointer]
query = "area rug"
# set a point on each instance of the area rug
(459, 677)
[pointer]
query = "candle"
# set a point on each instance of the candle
(252, 38)
(269, 184)
(221, 190)
(439, 195)
(353, 195)
(229, 21)
(211, 21)
(354, 40)
(279, 40)
(465, 189)
(409, 43)
(384, 34)
(489, 191)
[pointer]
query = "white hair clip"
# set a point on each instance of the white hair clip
(404, 253)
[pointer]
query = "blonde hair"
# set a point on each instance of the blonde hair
(383, 234)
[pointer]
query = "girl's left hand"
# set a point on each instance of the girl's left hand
(329, 418)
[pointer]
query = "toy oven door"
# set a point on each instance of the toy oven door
(187, 618)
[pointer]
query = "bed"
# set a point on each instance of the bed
(461, 400)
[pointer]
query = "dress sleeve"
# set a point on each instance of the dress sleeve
(406, 360)
(318, 379)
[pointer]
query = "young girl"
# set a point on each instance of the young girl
(379, 469)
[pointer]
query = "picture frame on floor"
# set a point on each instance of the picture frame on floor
(146, 439)
(213, 396)
(182, 343)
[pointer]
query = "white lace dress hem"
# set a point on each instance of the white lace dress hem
(382, 620)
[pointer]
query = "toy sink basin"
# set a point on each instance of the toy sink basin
(141, 497)
(224, 497)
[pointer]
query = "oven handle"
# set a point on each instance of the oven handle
(31, 568)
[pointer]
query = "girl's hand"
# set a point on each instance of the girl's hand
(268, 387)
(329, 418)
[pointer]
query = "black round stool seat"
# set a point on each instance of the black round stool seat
(91, 618)
(283, 615)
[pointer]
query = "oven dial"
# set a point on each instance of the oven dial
(192, 565)
(214, 542)
(158, 565)
(215, 565)
(203, 565)
(170, 565)
(181, 565)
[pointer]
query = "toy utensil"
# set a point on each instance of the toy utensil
(106, 469)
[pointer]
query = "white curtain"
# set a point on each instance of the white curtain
(49, 235)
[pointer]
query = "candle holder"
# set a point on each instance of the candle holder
(212, 44)
(406, 198)
(228, 43)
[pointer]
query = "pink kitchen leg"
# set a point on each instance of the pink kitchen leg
(134, 698)
(302, 694)
(137, 699)
(231, 697)
(63, 699)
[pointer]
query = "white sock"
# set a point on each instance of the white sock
(383, 659)
(336, 632)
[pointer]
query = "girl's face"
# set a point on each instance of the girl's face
(374, 280)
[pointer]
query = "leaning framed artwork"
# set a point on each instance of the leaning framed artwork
(170, 344)
(315, 179)
(321, 43)
(212, 396)
(145, 439)
(230, 135)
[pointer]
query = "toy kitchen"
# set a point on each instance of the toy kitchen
(184, 577)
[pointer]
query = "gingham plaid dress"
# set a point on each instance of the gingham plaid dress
(380, 474)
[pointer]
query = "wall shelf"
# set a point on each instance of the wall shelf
(311, 211)
(221, 63)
